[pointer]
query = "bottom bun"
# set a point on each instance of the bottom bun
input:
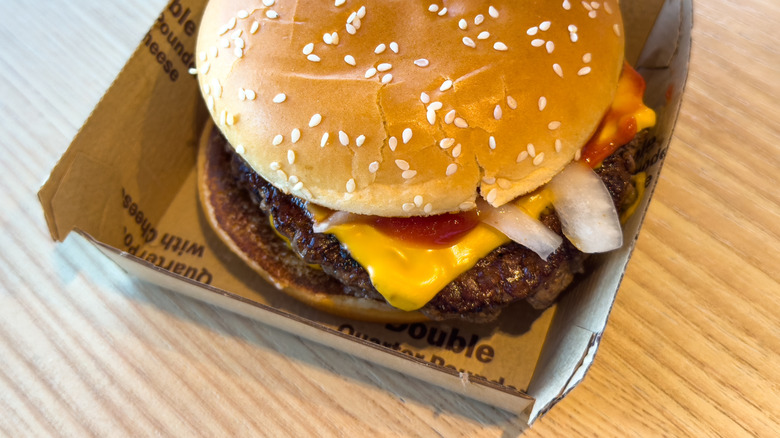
(240, 224)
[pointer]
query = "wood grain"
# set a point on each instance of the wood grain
(692, 349)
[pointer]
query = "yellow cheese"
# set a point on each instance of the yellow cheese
(409, 276)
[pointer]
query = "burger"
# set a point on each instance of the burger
(396, 160)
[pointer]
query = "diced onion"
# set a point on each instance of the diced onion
(520, 227)
(588, 215)
(337, 218)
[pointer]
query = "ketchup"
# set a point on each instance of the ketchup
(619, 125)
(432, 231)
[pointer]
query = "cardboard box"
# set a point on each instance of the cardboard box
(127, 184)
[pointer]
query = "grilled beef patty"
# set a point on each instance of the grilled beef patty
(509, 273)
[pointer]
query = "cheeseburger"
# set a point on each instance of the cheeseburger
(398, 160)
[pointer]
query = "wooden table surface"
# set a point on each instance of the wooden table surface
(692, 348)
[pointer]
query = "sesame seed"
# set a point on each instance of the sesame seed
(373, 167)
(446, 143)
(313, 58)
(574, 37)
(545, 26)
(449, 117)
(278, 140)
(216, 87)
(204, 69)
(422, 62)
(428, 207)
(443, 12)
(210, 103)
(558, 145)
(334, 36)
(489, 179)
(592, 14)
(435, 106)
(431, 116)
(552, 126)
(566, 5)
(407, 135)
(483, 35)
(274, 165)
(236, 34)
(558, 70)
(222, 30)
(239, 43)
(531, 149)
(433, 8)
(542, 103)
(408, 174)
(550, 46)
(250, 94)
(343, 138)
(497, 113)
(493, 12)
(387, 78)
(379, 49)
(351, 29)
(463, 24)
(356, 22)
(241, 94)
(461, 123)
(537, 42)
(240, 149)
(394, 47)
(298, 186)
(293, 179)
(402, 164)
(479, 19)
(370, 73)
(324, 140)
(281, 174)
(539, 158)
(424, 98)
(572, 28)
(532, 31)
(349, 59)
(361, 12)
(492, 142)
(232, 23)
(254, 28)
(327, 38)
(384, 66)
(521, 156)
(504, 183)
(206, 88)
(360, 140)
(491, 196)
(268, 3)
(468, 205)
(338, 3)
(418, 201)
(586, 58)
(446, 85)
(578, 155)
(193, 71)
(616, 29)
(271, 14)
(351, 17)
(290, 156)
(583, 71)
(315, 120)
(213, 51)
(279, 98)
(351, 185)
(587, 6)
(408, 206)
(224, 42)
(393, 143)
(203, 56)
(469, 42)
(295, 135)
(501, 47)
(457, 150)
(451, 169)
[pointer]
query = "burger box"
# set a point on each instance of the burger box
(127, 184)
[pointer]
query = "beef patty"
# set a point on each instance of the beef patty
(509, 273)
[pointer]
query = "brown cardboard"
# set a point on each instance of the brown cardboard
(127, 183)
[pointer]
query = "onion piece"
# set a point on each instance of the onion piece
(588, 215)
(336, 218)
(520, 227)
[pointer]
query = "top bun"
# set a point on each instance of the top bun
(399, 108)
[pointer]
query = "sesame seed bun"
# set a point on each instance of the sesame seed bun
(365, 109)
(229, 211)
